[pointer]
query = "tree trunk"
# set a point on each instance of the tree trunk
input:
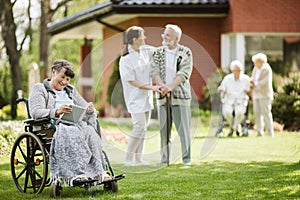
(8, 33)
(46, 16)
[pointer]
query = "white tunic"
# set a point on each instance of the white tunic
(136, 66)
(234, 89)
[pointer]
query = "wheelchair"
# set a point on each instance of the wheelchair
(29, 160)
(222, 122)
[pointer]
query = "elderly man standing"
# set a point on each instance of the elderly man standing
(234, 89)
(172, 68)
(261, 81)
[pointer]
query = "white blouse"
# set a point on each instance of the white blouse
(136, 66)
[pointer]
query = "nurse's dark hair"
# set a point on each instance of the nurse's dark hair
(131, 33)
(60, 64)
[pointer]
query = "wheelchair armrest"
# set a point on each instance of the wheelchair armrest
(38, 122)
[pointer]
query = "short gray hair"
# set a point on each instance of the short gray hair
(260, 56)
(176, 28)
(235, 63)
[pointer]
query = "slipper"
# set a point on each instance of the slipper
(77, 179)
(105, 177)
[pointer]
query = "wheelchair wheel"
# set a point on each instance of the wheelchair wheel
(106, 164)
(111, 186)
(28, 163)
(55, 190)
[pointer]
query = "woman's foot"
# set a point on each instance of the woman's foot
(105, 177)
(78, 179)
(102, 177)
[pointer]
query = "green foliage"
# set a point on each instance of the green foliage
(5, 92)
(75, 6)
(286, 104)
(68, 50)
(115, 90)
(9, 130)
(211, 95)
(6, 110)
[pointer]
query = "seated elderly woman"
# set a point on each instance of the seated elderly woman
(76, 151)
(234, 89)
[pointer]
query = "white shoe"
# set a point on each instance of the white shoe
(129, 163)
(187, 164)
(142, 162)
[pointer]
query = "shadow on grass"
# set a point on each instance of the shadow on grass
(211, 180)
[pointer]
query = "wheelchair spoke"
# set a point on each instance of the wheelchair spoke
(22, 172)
(33, 181)
(26, 181)
(22, 152)
(35, 172)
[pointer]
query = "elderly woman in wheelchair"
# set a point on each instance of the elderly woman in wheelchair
(234, 91)
(76, 150)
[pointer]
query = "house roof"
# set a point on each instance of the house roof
(171, 6)
(88, 23)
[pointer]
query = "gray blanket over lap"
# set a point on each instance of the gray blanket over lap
(75, 150)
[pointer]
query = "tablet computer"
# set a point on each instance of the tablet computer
(75, 115)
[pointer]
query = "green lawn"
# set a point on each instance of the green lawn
(223, 168)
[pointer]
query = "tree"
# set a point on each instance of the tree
(47, 14)
(13, 50)
(16, 30)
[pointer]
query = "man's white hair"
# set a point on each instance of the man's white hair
(237, 63)
(260, 56)
(176, 28)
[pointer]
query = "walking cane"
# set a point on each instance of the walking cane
(168, 124)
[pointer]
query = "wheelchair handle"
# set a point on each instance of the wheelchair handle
(25, 100)
(21, 100)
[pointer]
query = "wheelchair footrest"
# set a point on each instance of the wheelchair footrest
(81, 182)
(116, 178)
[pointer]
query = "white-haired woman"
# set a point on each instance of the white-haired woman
(234, 91)
(261, 81)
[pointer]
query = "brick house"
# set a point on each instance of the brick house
(217, 31)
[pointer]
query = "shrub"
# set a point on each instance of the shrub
(211, 96)
(115, 89)
(9, 130)
(21, 112)
(286, 104)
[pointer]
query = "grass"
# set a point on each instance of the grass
(223, 168)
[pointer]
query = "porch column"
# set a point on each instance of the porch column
(232, 48)
(240, 46)
(85, 80)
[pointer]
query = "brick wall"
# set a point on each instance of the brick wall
(202, 35)
(263, 16)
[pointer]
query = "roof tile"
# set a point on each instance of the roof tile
(166, 2)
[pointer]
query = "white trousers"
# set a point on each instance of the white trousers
(239, 112)
(135, 147)
(262, 113)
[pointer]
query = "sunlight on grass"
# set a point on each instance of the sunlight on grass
(232, 168)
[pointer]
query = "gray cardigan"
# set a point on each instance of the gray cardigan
(181, 95)
(41, 100)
